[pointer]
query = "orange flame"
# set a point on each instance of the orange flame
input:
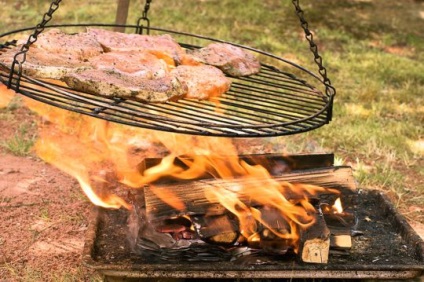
(337, 207)
(83, 147)
(6, 95)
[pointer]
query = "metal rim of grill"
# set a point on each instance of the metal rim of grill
(273, 102)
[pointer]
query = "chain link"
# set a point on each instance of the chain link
(329, 89)
(146, 8)
(31, 39)
(144, 18)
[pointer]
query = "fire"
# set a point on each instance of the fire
(337, 207)
(102, 155)
(6, 95)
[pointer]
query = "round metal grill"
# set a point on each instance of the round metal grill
(273, 102)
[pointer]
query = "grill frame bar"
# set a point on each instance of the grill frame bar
(296, 105)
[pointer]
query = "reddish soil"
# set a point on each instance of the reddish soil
(43, 216)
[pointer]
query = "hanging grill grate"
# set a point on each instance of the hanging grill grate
(273, 102)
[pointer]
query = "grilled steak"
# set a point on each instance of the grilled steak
(203, 82)
(230, 59)
(139, 67)
(162, 46)
(80, 46)
(40, 64)
(109, 83)
(131, 62)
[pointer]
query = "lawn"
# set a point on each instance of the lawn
(373, 51)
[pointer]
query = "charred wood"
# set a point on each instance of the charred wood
(219, 229)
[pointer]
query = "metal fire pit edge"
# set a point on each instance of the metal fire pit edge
(175, 270)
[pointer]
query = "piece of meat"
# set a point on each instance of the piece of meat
(230, 59)
(80, 46)
(131, 62)
(162, 46)
(203, 81)
(109, 83)
(40, 64)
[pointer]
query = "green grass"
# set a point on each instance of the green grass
(373, 51)
(20, 144)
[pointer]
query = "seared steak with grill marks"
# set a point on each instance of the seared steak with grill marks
(230, 59)
(109, 83)
(203, 82)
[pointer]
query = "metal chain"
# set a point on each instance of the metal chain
(144, 18)
(146, 8)
(31, 39)
(329, 89)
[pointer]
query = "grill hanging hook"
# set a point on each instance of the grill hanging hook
(144, 19)
(31, 39)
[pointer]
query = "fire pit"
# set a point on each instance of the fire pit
(384, 246)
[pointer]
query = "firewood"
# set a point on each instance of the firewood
(220, 230)
(276, 164)
(316, 250)
(192, 193)
(273, 222)
(315, 241)
(341, 241)
(340, 226)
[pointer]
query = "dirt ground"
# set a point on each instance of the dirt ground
(43, 216)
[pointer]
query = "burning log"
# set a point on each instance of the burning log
(221, 230)
(276, 164)
(274, 228)
(340, 222)
(195, 201)
(265, 227)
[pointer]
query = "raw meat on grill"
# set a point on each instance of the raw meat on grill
(80, 46)
(203, 82)
(41, 64)
(162, 46)
(131, 62)
(109, 83)
(230, 59)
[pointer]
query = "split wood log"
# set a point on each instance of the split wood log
(343, 241)
(315, 241)
(340, 225)
(221, 230)
(276, 164)
(190, 197)
(273, 224)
